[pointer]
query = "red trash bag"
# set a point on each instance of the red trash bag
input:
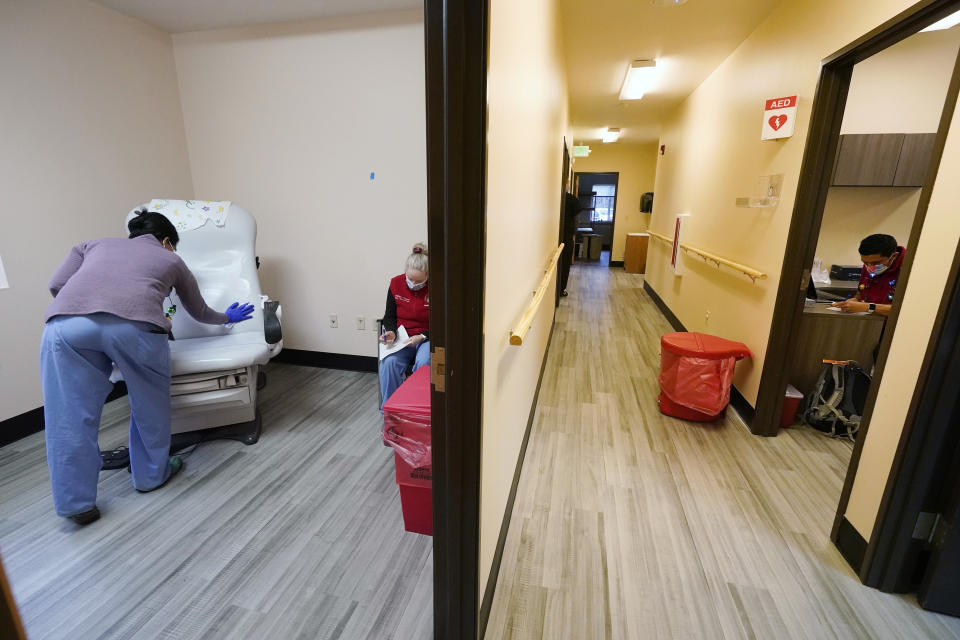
(406, 428)
(696, 373)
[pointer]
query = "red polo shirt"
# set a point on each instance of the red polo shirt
(880, 289)
(413, 307)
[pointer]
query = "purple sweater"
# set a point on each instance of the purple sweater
(128, 278)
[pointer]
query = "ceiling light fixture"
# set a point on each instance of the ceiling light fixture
(667, 3)
(951, 20)
(610, 135)
(640, 78)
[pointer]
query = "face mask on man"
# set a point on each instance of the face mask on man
(415, 286)
(873, 270)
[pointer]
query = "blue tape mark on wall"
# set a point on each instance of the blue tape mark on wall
(372, 175)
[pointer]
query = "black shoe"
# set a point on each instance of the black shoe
(86, 517)
(176, 464)
(563, 294)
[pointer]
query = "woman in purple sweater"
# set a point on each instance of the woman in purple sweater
(108, 308)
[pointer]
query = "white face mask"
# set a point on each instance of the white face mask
(415, 286)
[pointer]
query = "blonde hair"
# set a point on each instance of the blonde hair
(418, 259)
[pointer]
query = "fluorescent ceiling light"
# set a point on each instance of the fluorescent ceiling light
(610, 135)
(951, 20)
(667, 3)
(640, 78)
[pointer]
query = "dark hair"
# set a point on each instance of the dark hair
(878, 243)
(155, 224)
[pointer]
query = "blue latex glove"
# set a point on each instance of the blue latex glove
(237, 313)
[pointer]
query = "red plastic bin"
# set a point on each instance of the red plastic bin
(696, 372)
(406, 428)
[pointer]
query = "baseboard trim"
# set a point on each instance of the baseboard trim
(21, 426)
(851, 544)
(31, 422)
(485, 606)
(326, 360)
(616, 263)
(740, 403)
(664, 309)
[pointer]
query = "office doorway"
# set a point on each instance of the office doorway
(890, 558)
(597, 193)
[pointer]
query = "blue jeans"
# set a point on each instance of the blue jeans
(396, 364)
(75, 362)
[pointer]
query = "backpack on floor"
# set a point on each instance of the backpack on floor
(835, 406)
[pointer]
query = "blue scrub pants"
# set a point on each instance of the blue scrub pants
(394, 365)
(75, 364)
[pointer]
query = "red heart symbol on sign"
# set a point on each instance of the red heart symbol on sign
(777, 121)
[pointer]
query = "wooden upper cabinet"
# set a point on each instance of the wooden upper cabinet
(867, 159)
(914, 159)
(883, 159)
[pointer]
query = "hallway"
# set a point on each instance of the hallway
(629, 524)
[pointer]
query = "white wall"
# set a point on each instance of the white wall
(527, 120)
(289, 121)
(852, 213)
(91, 127)
(902, 88)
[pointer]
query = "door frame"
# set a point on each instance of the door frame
(873, 561)
(616, 198)
(455, 34)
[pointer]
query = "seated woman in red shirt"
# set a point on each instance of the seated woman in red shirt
(408, 306)
(882, 258)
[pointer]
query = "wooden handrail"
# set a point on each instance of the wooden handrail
(750, 272)
(526, 320)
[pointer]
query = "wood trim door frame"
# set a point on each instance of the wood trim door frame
(814, 182)
(456, 69)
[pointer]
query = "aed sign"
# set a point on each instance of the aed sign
(779, 118)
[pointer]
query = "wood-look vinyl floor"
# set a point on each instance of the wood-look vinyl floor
(628, 524)
(297, 536)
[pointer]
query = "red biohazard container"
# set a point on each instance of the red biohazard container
(406, 428)
(696, 372)
(791, 404)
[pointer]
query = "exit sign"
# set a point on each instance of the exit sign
(581, 152)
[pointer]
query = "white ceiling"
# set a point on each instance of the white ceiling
(177, 16)
(689, 41)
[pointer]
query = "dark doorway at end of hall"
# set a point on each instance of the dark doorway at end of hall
(598, 197)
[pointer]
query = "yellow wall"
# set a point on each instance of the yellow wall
(852, 213)
(714, 154)
(938, 244)
(637, 164)
(527, 119)
(91, 128)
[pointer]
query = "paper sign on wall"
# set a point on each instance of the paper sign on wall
(3, 277)
(676, 256)
(779, 118)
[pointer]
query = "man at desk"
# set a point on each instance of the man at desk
(882, 258)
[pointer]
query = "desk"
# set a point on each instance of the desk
(831, 335)
(839, 287)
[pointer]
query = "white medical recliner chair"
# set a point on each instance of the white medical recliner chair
(215, 369)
